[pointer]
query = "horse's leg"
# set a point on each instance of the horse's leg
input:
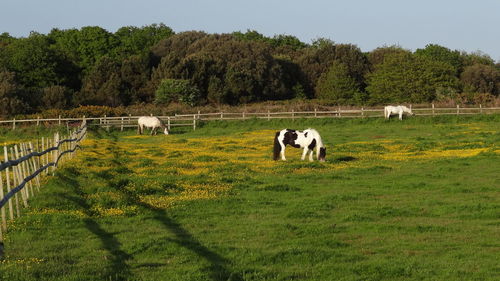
(306, 149)
(152, 130)
(311, 155)
(401, 115)
(283, 153)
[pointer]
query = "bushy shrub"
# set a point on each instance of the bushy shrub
(177, 90)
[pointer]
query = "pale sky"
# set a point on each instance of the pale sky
(459, 25)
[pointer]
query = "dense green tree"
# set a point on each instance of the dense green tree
(378, 55)
(317, 60)
(177, 90)
(34, 61)
(86, 46)
(283, 40)
(337, 86)
(243, 71)
(138, 41)
(480, 78)
(10, 95)
(476, 58)
(135, 74)
(103, 85)
(56, 97)
(440, 53)
(404, 77)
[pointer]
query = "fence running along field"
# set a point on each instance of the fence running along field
(190, 120)
(23, 166)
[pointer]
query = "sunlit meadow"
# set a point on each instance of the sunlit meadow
(411, 200)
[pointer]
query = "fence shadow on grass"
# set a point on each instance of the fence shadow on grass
(219, 266)
(218, 269)
(119, 270)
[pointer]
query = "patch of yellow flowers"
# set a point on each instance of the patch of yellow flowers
(211, 159)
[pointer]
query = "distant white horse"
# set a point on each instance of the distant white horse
(308, 140)
(399, 110)
(150, 122)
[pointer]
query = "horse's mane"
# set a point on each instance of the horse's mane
(317, 136)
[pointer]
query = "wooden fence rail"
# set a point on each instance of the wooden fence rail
(22, 172)
(190, 120)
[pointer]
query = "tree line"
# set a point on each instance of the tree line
(152, 64)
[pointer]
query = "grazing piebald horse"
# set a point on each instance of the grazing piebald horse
(399, 110)
(308, 140)
(150, 122)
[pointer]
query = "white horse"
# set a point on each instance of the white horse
(150, 122)
(307, 139)
(399, 110)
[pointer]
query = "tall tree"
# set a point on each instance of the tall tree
(440, 53)
(480, 78)
(10, 95)
(403, 77)
(336, 85)
(34, 61)
(138, 41)
(102, 86)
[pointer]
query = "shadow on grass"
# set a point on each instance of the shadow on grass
(218, 268)
(345, 159)
(119, 270)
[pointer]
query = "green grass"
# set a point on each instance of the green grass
(356, 217)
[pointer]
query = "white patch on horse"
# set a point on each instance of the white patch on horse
(396, 110)
(150, 122)
(308, 140)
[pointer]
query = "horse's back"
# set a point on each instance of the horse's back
(149, 121)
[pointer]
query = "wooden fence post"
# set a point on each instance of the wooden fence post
(480, 109)
(2, 210)
(121, 128)
(7, 176)
(168, 123)
(14, 124)
(315, 112)
(48, 141)
(106, 122)
(458, 109)
(15, 177)
(20, 177)
(293, 114)
(38, 121)
(433, 112)
(35, 167)
(362, 112)
(339, 114)
(221, 115)
(59, 120)
(194, 122)
(268, 115)
(56, 152)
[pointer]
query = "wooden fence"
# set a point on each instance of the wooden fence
(190, 120)
(24, 164)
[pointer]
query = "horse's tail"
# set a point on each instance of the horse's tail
(277, 147)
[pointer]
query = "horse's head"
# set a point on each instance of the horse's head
(322, 154)
(408, 110)
(165, 131)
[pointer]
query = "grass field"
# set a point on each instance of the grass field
(411, 200)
